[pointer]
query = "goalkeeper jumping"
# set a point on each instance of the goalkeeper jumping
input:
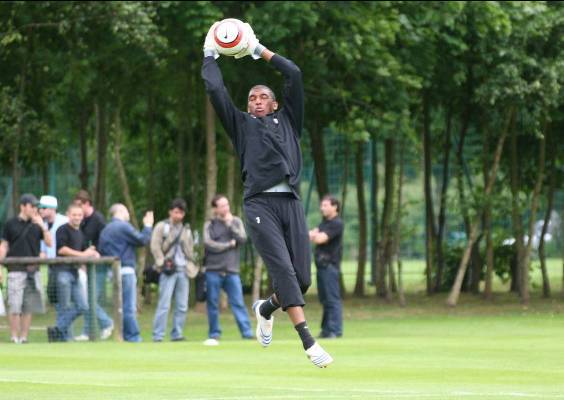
(267, 141)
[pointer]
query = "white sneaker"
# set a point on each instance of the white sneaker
(82, 338)
(107, 332)
(211, 342)
(319, 357)
(264, 326)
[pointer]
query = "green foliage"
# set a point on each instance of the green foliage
(367, 67)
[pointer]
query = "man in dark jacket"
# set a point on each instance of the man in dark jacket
(328, 237)
(119, 239)
(267, 141)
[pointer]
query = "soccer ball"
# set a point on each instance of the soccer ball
(230, 37)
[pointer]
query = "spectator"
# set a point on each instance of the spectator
(53, 220)
(173, 249)
(328, 237)
(222, 236)
(70, 293)
(119, 239)
(22, 238)
(91, 226)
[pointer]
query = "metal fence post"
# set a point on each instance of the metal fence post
(117, 296)
(92, 301)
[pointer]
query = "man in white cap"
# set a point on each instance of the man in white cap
(53, 220)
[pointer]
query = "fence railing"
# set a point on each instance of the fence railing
(91, 263)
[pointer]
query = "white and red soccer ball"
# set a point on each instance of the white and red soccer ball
(230, 37)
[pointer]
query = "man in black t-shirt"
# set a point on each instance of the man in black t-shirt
(328, 237)
(21, 238)
(93, 221)
(91, 226)
(71, 301)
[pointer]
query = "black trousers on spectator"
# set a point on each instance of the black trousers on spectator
(276, 224)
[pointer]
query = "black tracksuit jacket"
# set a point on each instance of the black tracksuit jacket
(268, 147)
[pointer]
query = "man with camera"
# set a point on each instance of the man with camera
(172, 248)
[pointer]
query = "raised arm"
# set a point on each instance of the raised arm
(156, 244)
(293, 93)
(137, 238)
(219, 97)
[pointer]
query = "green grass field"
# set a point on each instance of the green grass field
(479, 350)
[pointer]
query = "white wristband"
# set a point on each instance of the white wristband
(258, 51)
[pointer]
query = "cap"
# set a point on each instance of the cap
(28, 198)
(48, 202)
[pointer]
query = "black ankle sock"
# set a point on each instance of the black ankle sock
(268, 307)
(305, 335)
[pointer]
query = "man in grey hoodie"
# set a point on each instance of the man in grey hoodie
(223, 234)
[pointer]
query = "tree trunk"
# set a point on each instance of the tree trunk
(455, 290)
(386, 241)
(397, 230)
(16, 176)
(460, 159)
(345, 180)
(318, 156)
(120, 170)
(152, 184)
(374, 212)
(181, 159)
(101, 149)
(443, 200)
(359, 161)
(430, 230)
(122, 176)
(487, 220)
(525, 295)
(211, 161)
(343, 200)
(83, 139)
(230, 176)
(549, 207)
(477, 266)
(17, 143)
(516, 213)
(194, 180)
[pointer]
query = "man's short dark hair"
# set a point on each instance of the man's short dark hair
(178, 203)
(28, 198)
(263, 87)
(216, 198)
(83, 196)
(333, 200)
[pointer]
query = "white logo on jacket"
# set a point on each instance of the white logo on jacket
(258, 220)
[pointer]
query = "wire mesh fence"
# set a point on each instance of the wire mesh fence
(69, 298)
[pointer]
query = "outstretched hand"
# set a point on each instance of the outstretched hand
(209, 43)
(254, 48)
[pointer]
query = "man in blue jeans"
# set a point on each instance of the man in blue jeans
(172, 248)
(70, 242)
(223, 234)
(119, 239)
(92, 226)
(328, 237)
